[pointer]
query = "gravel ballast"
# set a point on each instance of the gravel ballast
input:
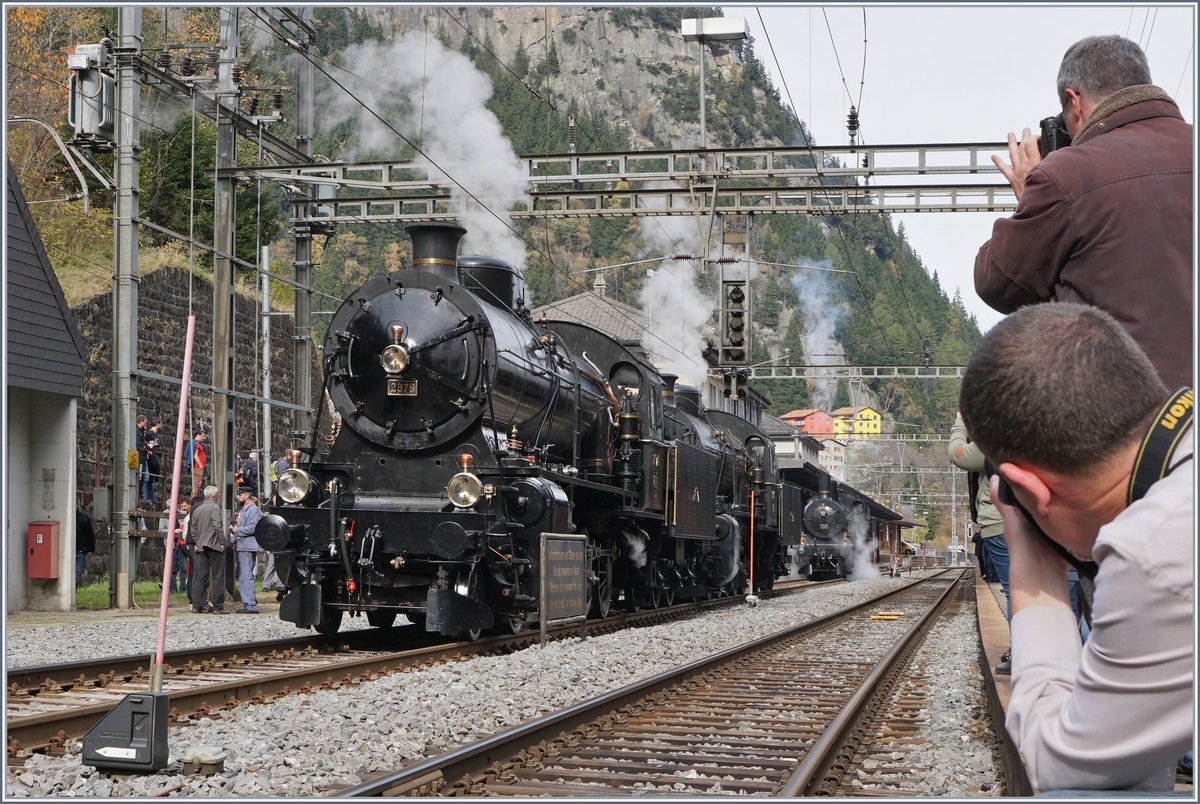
(303, 744)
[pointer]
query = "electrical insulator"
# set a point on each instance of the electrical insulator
(254, 106)
(187, 67)
(277, 101)
(237, 73)
(214, 59)
(164, 60)
(852, 123)
(866, 161)
(571, 134)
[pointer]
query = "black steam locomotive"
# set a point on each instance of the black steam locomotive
(841, 525)
(468, 430)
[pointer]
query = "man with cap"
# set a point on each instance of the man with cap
(247, 547)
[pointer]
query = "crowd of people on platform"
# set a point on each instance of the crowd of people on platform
(214, 554)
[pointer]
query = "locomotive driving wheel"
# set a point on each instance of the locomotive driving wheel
(468, 584)
(601, 591)
(330, 621)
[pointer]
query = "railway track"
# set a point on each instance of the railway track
(785, 715)
(50, 706)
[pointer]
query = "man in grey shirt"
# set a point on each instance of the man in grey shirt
(1096, 450)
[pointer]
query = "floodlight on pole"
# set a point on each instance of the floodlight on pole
(707, 29)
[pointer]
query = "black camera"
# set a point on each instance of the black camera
(1054, 134)
(1087, 569)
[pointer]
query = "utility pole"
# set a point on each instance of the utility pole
(224, 222)
(125, 304)
(264, 452)
(302, 233)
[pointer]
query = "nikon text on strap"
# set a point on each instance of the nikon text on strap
(1153, 461)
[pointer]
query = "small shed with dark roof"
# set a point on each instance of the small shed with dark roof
(615, 319)
(44, 380)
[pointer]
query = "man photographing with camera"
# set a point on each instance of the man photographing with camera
(1099, 454)
(1106, 220)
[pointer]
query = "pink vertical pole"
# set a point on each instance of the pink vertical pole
(156, 675)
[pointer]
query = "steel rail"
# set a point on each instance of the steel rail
(50, 729)
(811, 774)
(474, 758)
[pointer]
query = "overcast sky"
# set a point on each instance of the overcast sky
(946, 74)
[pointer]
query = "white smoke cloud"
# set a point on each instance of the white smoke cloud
(677, 310)
(441, 109)
(823, 309)
(864, 568)
(677, 313)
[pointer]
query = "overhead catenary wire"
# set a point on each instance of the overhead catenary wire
(887, 227)
(821, 180)
(1183, 73)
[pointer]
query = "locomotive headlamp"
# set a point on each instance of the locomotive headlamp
(293, 485)
(394, 358)
(464, 490)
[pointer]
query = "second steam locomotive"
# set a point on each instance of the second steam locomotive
(468, 430)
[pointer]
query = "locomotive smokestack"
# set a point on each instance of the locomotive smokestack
(668, 389)
(435, 248)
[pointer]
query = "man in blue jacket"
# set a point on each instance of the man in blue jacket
(247, 547)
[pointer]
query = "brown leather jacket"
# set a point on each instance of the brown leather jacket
(1108, 222)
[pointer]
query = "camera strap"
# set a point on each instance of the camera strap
(1153, 461)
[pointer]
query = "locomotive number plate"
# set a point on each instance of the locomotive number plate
(402, 387)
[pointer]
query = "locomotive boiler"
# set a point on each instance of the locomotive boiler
(468, 430)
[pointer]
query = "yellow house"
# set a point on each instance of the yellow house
(857, 423)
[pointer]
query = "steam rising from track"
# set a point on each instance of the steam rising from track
(436, 98)
(864, 549)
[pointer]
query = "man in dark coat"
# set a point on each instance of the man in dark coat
(207, 531)
(1108, 220)
(85, 542)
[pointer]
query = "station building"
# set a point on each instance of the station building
(44, 382)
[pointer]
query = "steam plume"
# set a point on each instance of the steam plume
(823, 309)
(443, 111)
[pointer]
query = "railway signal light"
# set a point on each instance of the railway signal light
(735, 323)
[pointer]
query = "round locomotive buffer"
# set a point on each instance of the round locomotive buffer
(272, 533)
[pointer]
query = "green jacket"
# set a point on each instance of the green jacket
(966, 455)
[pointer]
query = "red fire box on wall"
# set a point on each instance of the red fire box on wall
(42, 560)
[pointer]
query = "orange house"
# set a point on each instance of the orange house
(812, 421)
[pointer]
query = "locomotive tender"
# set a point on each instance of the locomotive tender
(468, 430)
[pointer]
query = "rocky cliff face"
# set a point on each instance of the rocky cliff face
(627, 65)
